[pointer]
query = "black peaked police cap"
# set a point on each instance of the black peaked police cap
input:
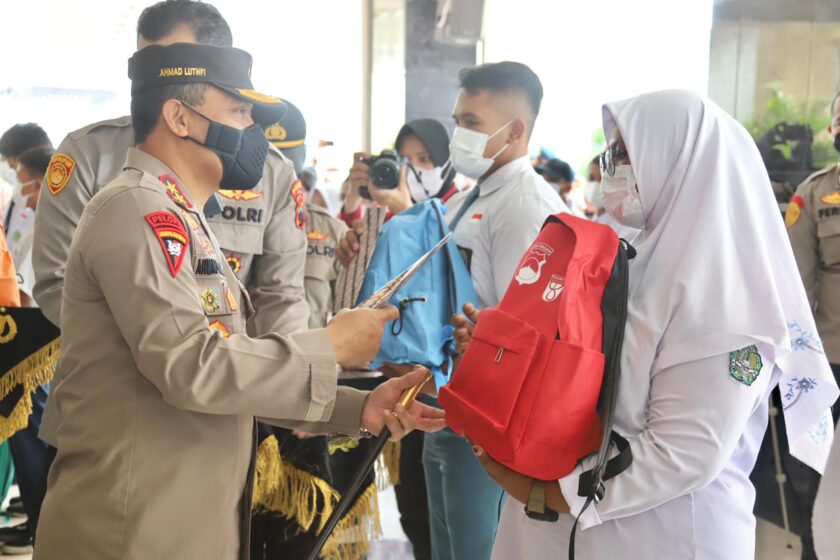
(227, 68)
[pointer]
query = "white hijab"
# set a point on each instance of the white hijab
(715, 271)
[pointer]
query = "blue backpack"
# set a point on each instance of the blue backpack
(423, 334)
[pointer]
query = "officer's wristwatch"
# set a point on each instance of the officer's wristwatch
(536, 508)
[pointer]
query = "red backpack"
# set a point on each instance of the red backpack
(537, 385)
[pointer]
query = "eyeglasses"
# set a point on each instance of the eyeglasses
(608, 157)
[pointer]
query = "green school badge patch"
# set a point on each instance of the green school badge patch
(745, 364)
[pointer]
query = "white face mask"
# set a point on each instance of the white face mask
(466, 151)
(594, 195)
(425, 183)
(21, 200)
(621, 199)
(8, 175)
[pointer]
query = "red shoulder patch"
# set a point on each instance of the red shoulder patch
(299, 196)
(173, 189)
(172, 236)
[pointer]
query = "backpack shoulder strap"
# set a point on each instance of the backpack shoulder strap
(591, 482)
(473, 194)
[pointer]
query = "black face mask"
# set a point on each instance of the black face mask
(837, 142)
(241, 151)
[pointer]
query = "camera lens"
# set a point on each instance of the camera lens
(385, 173)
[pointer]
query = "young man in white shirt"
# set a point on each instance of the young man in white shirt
(494, 224)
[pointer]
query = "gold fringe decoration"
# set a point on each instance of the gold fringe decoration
(296, 494)
(388, 466)
(357, 530)
(33, 371)
(344, 444)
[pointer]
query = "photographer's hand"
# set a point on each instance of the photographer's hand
(359, 177)
(396, 200)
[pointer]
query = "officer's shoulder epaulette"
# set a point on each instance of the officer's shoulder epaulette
(814, 176)
(275, 156)
(326, 219)
(120, 122)
(316, 209)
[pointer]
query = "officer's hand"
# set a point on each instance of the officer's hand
(464, 327)
(382, 409)
(357, 333)
(396, 199)
(349, 247)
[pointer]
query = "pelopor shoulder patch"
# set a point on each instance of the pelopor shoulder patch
(745, 364)
(300, 199)
(59, 172)
(172, 236)
(794, 210)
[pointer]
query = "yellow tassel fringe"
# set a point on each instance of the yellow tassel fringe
(35, 370)
(296, 494)
(334, 445)
(388, 466)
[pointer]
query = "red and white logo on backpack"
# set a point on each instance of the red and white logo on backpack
(554, 288)
(531, 267)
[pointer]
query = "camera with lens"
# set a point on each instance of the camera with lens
(384, 170)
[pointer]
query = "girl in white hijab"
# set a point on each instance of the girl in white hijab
(717, 318)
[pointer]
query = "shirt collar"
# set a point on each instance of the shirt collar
(167, 179)
(503, 175)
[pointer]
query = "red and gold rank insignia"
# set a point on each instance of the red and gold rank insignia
(833, 198)
(794, 210)
(240, 195)
(231, 299)
(172, 236)
(316, 235)
(219, 326)
(173, 190)
(234, 262)
(299, 196)
(58, 173)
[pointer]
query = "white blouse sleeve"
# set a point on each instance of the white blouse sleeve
(697, 412)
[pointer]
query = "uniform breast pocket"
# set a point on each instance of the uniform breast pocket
(236, 237)
(828, 231)
(320, 262)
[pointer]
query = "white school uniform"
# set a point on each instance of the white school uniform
(501, 224)
(714, 274)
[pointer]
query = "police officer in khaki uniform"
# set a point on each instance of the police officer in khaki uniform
(813, 222)
(258, 230)
(279, 528)
(160, 383)
(323, 231)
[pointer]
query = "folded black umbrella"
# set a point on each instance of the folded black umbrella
(29, 346)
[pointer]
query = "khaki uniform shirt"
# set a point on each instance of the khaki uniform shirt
(813, 221)
(323, 234)
(259, 231)
(160, 385)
